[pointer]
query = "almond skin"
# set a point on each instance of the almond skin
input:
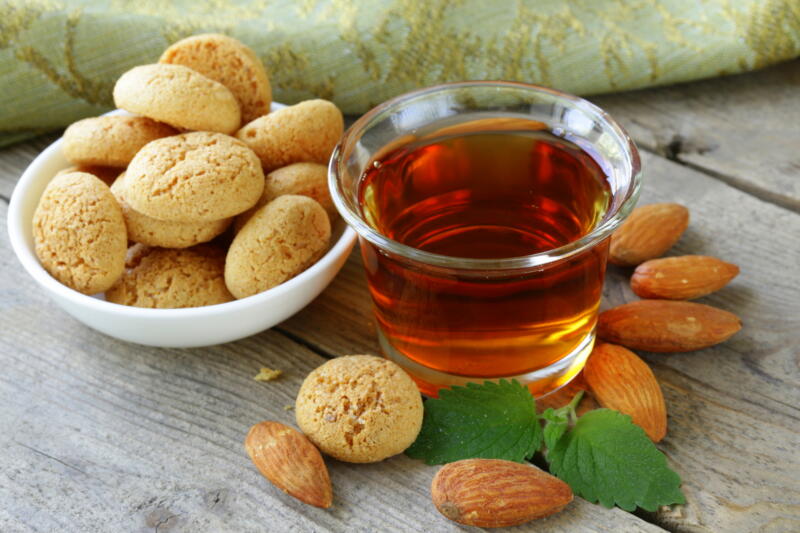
(681, 278)
(649, 232)
(666, 326)
(497, 493)
(290, 461)
(620, 380)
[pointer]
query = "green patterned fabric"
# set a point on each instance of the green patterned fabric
(59, 59)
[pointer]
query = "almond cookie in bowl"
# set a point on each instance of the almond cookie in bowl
(231, 63)
(281, 240)
(153, 232)
(168, 279)
(179, 96)
(194, 177)
(305, 179)
(307, 131)
(111, 141)
(79, 233)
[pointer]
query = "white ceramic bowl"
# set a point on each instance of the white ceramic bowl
(180, 328)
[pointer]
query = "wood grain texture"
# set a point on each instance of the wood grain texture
(743, 129)
(733, 409)
(102, 435)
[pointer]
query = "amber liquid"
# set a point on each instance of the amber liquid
(487, 195)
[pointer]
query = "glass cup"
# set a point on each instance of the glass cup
(451, 320)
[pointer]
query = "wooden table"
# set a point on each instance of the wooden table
(100, 435)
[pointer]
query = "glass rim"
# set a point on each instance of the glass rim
(611, 220)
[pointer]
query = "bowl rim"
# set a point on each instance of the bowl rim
(26, 255)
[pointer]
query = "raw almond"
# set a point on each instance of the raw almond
(649, 232)
(666, 326)
(620, 380)
(681, 278)
(497, 493)
(290, 461)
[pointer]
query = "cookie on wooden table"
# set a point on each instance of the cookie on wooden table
(307, 131)
(179, 96)
(79, 233)
(168, 279)
(230, 62)
(194, 177)
(359, 408)
(153, 232)
(110, 141)
(282, 239)
(305, 179)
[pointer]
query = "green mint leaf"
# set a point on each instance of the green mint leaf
(607, 458)
(490, 421)
(556, 424)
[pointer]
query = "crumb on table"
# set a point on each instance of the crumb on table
(267, 374)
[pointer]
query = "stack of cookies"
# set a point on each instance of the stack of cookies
(202, 195)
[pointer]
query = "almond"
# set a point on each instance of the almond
(620, 380)
(497, 493)
(666, 326)
(649, 232)
(681, 278)
(562, 396)
(290, 461)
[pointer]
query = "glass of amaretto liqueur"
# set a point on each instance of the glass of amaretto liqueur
(484, 211)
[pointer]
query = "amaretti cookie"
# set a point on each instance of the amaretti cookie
(282, 239)
(153, 232)
(164, 278)
(359, 408)
(305, 179)
(231, 63)
(179, 96)
(111, 140)
(307, 131)
(79, 233)
(194, 177)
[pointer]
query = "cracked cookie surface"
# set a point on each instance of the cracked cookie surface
(110, 141)
(179, 96)
(359, 408)
(305, 179)
(153, 232)
(168, 279)
(307, 131)
(194, 177)
(281, 240)
(229, 62)
(79, 233)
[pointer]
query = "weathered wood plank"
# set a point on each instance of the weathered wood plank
(733, 409)
(734, 414)
(744, 129)
(101, 435)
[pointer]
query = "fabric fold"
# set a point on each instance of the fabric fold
(59, 60)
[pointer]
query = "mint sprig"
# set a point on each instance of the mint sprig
(607, 458)
(557, 421)
(602, 455)
(492, 421)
